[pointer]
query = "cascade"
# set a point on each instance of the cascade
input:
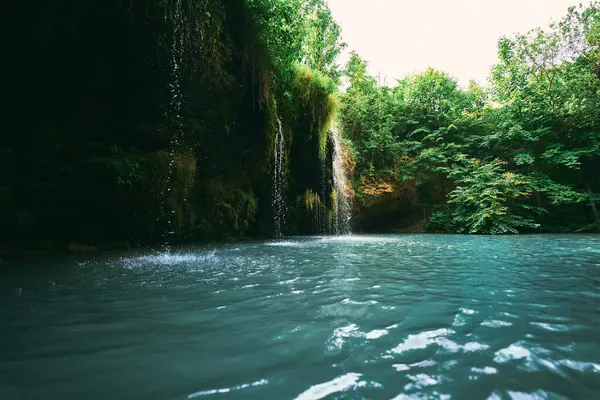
(322, 211)
(279, 181)
(342, 202)
(173, 115)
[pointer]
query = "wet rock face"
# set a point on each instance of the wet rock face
(388, 207)
(395, 215)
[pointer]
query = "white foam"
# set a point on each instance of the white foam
(401, 367)
(494, 323)
(553, 327)
(376, 334)
(580, 366)
(424, 364)
(474, 346)
(286, 243)
(227, 390)
(539, 395)
(512, 352)
(422, 380)
(167, 259)
(368, 302)
(485, 370)
(458, 320)
(422, 340)
(339, 384)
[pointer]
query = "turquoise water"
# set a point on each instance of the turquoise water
(362, 317)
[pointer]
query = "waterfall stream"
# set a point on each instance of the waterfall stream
(173, 116)
(342, 205)
(279, 181)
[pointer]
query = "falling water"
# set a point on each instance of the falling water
(173, 115)
(322, 210)
(279, 181)
(342, 206)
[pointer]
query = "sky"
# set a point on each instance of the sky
(399, 37)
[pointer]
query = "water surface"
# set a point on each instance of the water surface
(361, 317)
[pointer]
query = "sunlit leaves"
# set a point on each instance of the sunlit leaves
(486, 200)
(500, 157)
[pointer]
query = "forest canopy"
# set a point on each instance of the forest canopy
(520, 155)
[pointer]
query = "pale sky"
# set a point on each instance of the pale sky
(398, 37)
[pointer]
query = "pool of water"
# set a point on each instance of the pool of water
(361, 317)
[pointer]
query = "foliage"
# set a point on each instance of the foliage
(523, 153)
(315, 93)
(486, 200)
(164, 122)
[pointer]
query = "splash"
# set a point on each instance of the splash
(279, 181)
(342, 202)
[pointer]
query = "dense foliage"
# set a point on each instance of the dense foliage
(131, 119)
(520, 156)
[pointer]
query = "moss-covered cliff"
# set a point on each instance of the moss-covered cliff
(154, 120)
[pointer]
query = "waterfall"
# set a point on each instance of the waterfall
(174, 120)
(342, 204)
(279, 181)
(322, 211)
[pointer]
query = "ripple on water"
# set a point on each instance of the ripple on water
(339, 334)
(286, 243)
(167, 259)
(420, 381)
(459, 320)
(336, 341)
(424, 339)
(437, 337)
(376, 334)
(358, 239)
(229, 389)
(580, 366)
(401, 367)
(474, 346)
(555, 327)
(419, 322)
(512, 352)
(537, 395)
(495, 323)
(339, 384)
(485, 370)
(349, 301)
